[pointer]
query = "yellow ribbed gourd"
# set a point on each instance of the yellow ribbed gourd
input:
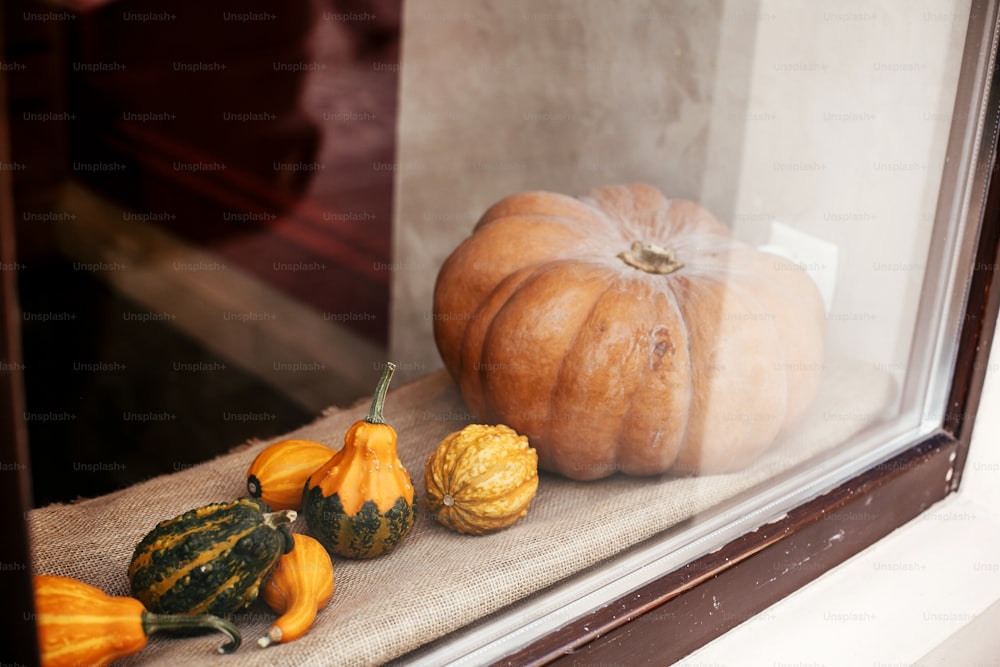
(481, 479)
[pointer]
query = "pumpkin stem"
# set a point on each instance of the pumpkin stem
(156, 622)
(378, 400)
(650, 258)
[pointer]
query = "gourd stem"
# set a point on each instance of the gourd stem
(650, 258)
(378, 400)
(297, 618)
(276, 519)
(274, 636)
(156, 622)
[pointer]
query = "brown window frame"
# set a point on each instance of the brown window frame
(669, 618)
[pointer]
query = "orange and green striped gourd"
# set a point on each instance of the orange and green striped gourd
(211, 559)
(361, 503)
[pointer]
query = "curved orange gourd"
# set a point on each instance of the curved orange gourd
(79, 624)
(298, 589)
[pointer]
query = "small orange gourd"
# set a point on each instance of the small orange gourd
(481, 479)
(298, 589)
(278, 472)
(79, 624)
(360, 503)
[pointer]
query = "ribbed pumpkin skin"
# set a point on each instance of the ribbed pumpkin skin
(78, 624)
(278, 472)
(549, 325)
(211, 559)
(300, 586)
(481, 479)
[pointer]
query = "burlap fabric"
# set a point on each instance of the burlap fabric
(436, 581)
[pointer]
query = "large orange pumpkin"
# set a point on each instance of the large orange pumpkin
(626, 332)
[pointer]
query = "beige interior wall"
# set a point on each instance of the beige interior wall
(830, 116)
(500, 96)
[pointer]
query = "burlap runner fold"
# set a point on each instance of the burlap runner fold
(436, 581)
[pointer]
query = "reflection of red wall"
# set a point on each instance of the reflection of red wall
(33, 81)
(256, 131)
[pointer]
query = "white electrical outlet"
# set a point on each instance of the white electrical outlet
(816, 256)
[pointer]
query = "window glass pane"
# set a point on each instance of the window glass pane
(828, 135)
